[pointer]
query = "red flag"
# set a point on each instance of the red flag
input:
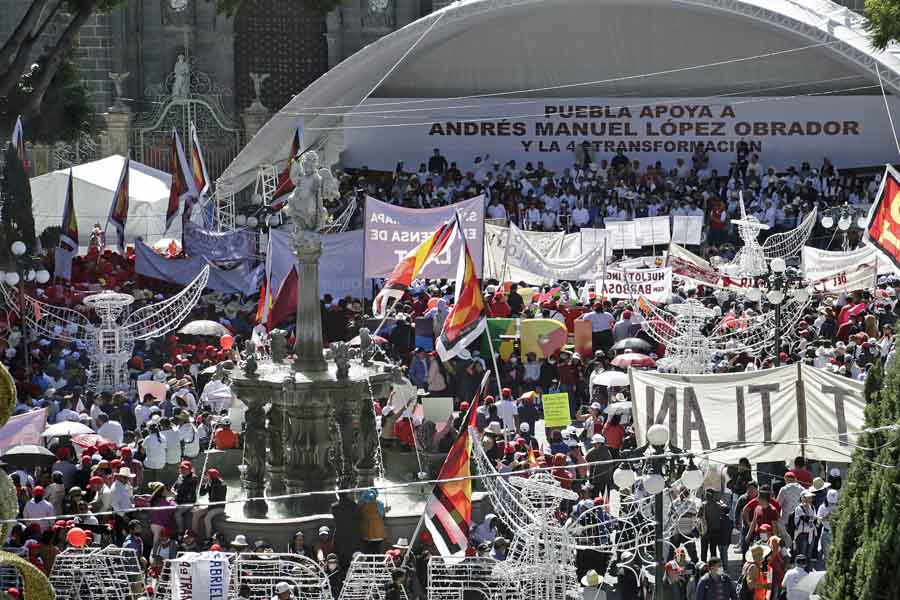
(118, 211)
(411, 265)
(285, 304)
(448, 511)
(466, 320)
(181, 188)
(68, 237)
(883, 230)
(285, 185)
(198, 166)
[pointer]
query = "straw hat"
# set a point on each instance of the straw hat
(592, 579)
(819, 484)
(765, 549)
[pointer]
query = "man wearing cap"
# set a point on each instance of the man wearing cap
(39, 508)
(215, 487)
(335, 575)
(601, 474)
(507, 410)
(134, 541)
(185, 489)
(789, 499)
(190, 437)
(324, 545)
(793, 577)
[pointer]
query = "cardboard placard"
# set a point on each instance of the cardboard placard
(156, 388)
(437, 410)
(556, 410)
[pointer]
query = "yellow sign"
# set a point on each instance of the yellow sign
(556, 410)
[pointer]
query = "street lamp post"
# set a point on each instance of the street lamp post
(662, 470)
(25, 269)
(779, 282)
(844, 217)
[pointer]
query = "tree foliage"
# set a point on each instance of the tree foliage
(883, 21)
(863, 560)
(16, 216)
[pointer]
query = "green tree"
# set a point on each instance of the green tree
(67, 112)
(16, 217)
(883, 21)
(863, 560)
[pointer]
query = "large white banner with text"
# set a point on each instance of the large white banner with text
(653, 284)
(853, 129)
(763, 414)
(835, 272)
(200, 576)
(510, 255)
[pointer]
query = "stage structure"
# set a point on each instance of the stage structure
(110, 343)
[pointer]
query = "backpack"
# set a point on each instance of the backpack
(743, 589)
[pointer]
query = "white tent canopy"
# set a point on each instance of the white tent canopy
(94, 186)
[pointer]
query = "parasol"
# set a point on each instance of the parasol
(376, 339)
(91, 440)
(204, 327)
(28, 456)
(611, 379)
(66, 428)
(633, 359)
(632, 343)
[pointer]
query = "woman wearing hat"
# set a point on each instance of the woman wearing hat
(825, 515)
(804, 524)
(162, 499)
(754, 574)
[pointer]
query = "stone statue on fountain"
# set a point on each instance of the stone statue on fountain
(306, 204)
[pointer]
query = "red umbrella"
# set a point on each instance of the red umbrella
(633, 359)
(376, 339)
(90, 440)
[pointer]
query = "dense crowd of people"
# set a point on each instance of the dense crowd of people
(149, 451)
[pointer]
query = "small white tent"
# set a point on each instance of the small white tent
(94, 186)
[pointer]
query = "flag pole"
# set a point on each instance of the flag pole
(421, 522)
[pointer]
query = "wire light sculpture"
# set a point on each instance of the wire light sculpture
(111, 342)
(691, 352)
(109, 573)
(368, 577)
(262, 572)
(752, 259)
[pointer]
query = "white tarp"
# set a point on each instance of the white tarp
(764, 414)
(511, 255)
(94, 185)
(835, 272)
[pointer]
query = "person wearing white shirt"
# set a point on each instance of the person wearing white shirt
(67, 414)
(189, 436)
(580, 216)
(496, 211)
(121, 493)
(793, 577)
(154, 454)
(551, 201)
(110, 430)
(39, 508)
(173, 446)
(190, 400)
(549, 220)
(532, 218)
(507, 410)
(142, 411)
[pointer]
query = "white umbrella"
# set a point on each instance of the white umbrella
(66, 428)
(623, 408)
(611, 379)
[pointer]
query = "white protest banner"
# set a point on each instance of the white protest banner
(687, 229)
(512, 248)
(23, 429)
(622, 235)
(652, 231)
(653, 284)
(200, 576)
(392, 231)
(836, 272)
(645, 129)
(764, 414)
(687, 265)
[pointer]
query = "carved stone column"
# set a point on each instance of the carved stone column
(334, 37)
(254, 118)
(275, 455)
(308, 345)
(253, 471)
(118, 132)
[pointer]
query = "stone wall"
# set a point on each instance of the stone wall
(93, 55)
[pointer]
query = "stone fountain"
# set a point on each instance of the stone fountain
(309, 422)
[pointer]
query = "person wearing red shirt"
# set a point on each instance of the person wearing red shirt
(224, 437)
(804, 476)
(763, 514)
(498, 308)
